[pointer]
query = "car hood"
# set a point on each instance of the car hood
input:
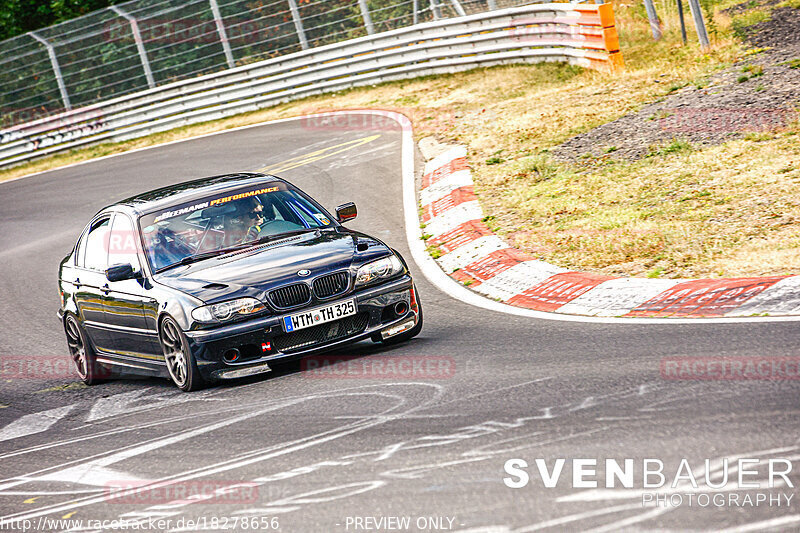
(254, 272)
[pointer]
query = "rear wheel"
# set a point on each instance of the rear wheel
(81, 351)
(181, 364)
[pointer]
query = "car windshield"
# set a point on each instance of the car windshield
(235, 219)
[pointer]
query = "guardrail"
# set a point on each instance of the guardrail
(581, 34)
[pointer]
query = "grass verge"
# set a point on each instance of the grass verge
(731, 209)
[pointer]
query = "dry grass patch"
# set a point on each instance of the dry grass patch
(728, 210)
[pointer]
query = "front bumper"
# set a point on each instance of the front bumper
(373, 315)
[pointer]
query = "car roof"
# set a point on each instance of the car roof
(191, 190)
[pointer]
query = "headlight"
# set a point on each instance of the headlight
(227, 310)
(385, 268)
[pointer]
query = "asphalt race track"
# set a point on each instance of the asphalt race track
(319, 452)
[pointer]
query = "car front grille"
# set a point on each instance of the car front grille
(291, 295)
(322, 333)
(331, 285)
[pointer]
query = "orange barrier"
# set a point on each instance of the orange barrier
(589, 29)
(601, 17)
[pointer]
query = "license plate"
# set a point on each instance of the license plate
(320, 315)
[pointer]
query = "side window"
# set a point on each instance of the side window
(96, 253)
(122, 247)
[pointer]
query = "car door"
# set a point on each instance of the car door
(128, 303)
(89, 277)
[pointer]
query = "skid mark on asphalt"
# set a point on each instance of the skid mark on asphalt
(255, 456)
(208, 395)
(504, 435)
(117, 431)
(128, 403)
(493, 391)
(34, 423)
(362, 156)
(317, 155)
(490, 450)
(635, 394)
(295, 502)
(119, 405)
(576, 517)
(764, 525)
(95, 471)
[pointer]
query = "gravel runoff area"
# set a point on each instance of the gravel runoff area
(725, 108)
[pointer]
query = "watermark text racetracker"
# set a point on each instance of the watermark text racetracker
(394, 367)
(732, 368)
(724, 120)
(151, 524)
(41, 367)
(142, 492)
(373, 121)
(740, 482)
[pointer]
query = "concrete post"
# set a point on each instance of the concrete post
(699, 23)
(298, 24)
(223, 37)
(56, 70)
(365, 15)
(137, 37)
(655, 24)
(436, 10)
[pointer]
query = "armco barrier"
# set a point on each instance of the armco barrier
(580, 34)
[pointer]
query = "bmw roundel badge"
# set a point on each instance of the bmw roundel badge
(303, 273)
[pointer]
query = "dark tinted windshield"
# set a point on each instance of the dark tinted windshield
(227, 220)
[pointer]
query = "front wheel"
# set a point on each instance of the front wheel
(81, 351)
(181, 364)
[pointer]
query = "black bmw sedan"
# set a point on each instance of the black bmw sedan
(220, 277)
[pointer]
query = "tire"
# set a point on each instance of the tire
(407, 335)
(82, 352)
(181, 364)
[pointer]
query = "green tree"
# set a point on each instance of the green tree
(20, 16)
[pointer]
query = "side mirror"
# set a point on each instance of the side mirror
(346, 212)
(120, 272)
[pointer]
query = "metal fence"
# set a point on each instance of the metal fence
(583, 35)
(143, 44)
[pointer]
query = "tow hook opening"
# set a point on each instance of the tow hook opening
(405, 325)
(231, 355)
